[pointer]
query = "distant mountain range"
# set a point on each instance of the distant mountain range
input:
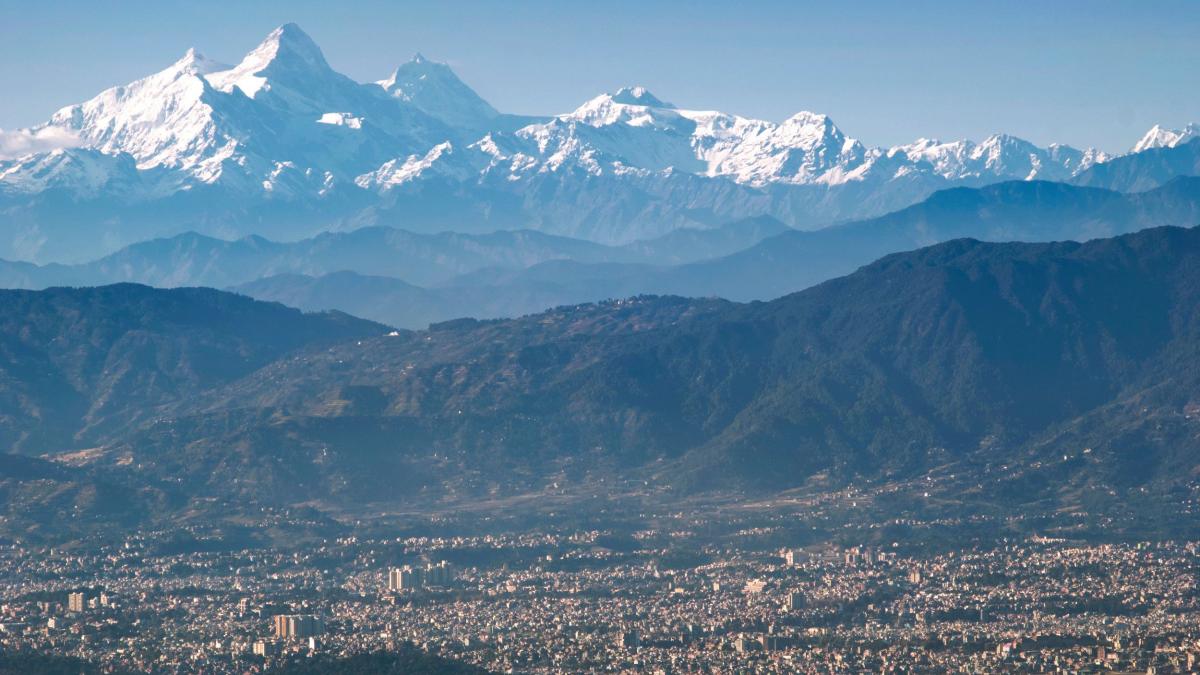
(1051, 375)
(282, 146)
(410, 280)
(192, 259)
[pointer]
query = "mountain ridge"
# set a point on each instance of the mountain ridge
(1036, 373)
(772, 267)
(408, 279)
(85, 362)
(283, 146)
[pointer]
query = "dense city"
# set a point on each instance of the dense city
(668, 598)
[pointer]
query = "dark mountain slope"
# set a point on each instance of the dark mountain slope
(464, 409)
(77, 364)
(1015, 211)
(964, 351)
(967, 346)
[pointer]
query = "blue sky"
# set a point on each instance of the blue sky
(1084, 73)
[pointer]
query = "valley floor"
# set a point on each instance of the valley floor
(810, 581)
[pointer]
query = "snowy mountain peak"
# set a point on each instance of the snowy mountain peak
(998, 156)
(287, 52)
(289, 42)
(1003, 142)
(999, 146)
(82, 172)
(634, 106)
(195, 63)
(806, 118)
(639, 96)
(417, 72)
(439, 161)
(1159, 137)
(161, 120)
(419, 65)
(281, 110)
(283, 127)
(831, 154)
(436, 90)
(806, 126)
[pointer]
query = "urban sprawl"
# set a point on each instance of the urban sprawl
(592, 600)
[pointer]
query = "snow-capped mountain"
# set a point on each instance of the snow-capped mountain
(281, 119)
(1159, 137)
(998, 156)
(435, 90)
(1145, 170)
(632, 129)
(84, 172)
(282, 145)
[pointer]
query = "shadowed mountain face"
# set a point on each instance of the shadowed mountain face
(966, 354)
(957, 349)
(79, 365)
(1016, 211)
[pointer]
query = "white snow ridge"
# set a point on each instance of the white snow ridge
(282, 133)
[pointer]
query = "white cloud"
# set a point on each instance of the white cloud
(19, 142)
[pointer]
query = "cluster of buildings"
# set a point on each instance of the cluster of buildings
(681, 595)
(409, 578)
(296, 626)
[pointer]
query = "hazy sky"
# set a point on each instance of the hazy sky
(1084, 73)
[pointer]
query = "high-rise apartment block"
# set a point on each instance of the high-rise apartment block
(409, 578)
(298, 625)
